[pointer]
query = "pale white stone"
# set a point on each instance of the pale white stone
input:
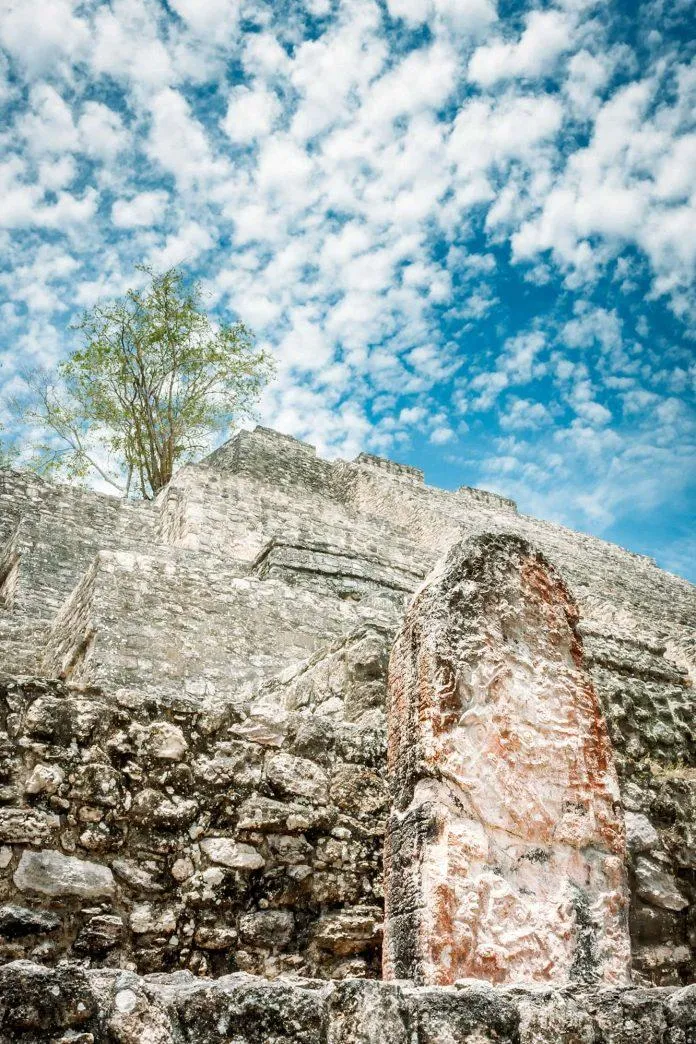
(27, 826)
(145, 918)
(182, 869)
(52, 873)
(235, 854)
(641, 835)
(136, 876)
(657, 886)
(44, 779)
(298, 776)
(166, 741)
(126, 1001)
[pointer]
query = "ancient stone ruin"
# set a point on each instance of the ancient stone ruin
(234, 718)
(505, 856)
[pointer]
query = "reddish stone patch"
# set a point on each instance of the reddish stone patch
(495, 731)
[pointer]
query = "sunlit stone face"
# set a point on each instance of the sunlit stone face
(505, 855)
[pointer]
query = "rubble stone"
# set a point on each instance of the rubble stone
(657, 886)
(51, 873)
(226, 852)
(18, 920)
(26, 826)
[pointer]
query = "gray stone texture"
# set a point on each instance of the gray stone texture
(200, 681)
(91, 1006)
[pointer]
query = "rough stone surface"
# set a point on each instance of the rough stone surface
(177, 852)
(39, 1004)
(506, 852)
(54, 874)
(212, 667)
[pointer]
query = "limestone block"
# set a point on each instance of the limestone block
(657, 886)
(52, 873)
(101, 933)
(357, 789)
(111, 1006)
(148, 918)
(40, 1001)
(228, 852)
(641, 835)
(229, 765)
(135, 875)
(291, 775)
(267, 927)
(215, 937)
(505, 856)
(152, 807)
(166, 741)
(133, 1018)
(44, 779)
(182, 868)
(26, 826)
(349, 931)
(62, 720)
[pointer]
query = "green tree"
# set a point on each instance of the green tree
(152, 383)
(8, 453)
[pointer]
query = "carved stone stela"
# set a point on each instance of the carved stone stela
(505, 855)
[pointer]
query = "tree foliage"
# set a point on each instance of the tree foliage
(8, 453)
(153, 382)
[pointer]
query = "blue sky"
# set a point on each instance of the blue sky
(466, 229)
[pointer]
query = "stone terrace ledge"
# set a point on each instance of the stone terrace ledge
(89, 1006)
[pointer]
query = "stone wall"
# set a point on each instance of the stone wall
(193, 710)
(225, 838)
(177, 622)
(117, 1007)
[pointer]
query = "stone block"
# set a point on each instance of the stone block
(51, 873)
(234, 854)
(27, 826)
(506, 855)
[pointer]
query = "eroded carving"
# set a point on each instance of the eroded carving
(506, 854)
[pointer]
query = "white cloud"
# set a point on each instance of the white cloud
(54, 174)
(491, 133)
(101, 130)
(45, 36)
(218, 18)
(126, 45)
(68, 210)
(178, 142)
(250, 114)
(284, 171)
(587, 76)
(547, 35)
(48, 124)
(470, 16)
(141, 211)
(629, 185)
(593, 325)
(524, 414)
(182, 247)
(441, 435)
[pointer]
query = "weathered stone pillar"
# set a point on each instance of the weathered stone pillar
(505, 852)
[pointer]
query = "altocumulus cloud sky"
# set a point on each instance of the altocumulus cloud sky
(467, 228)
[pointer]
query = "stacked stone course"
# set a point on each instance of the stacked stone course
(193, 755)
